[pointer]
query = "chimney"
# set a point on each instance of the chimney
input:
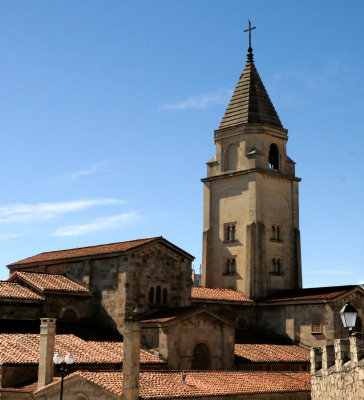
(131, 360)
(46, 351)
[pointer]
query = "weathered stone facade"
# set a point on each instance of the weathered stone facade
(251, 198)
(120, 283)
(294, 319)
(176, 340)
(337, 371)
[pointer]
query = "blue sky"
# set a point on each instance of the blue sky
(107, 113)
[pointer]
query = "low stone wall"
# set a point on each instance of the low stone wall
(337, 371)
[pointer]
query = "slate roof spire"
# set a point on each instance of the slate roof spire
(250, 102)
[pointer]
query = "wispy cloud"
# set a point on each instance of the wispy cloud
(83, 172)
(6, 236)
(45, 211)
(313, 80)
(115, 221)
(202, 101)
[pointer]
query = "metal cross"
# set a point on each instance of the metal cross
(250, 33)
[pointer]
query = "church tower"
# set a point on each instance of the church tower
(251, 238)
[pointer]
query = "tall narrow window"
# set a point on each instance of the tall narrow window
(158, 295)
(151, 295)
(231, 157)
(228, 233)
(233, 266)
(276, 233)
(273, 156)
(233, 230)
(276, 266)
(230, 266)
(164, 296)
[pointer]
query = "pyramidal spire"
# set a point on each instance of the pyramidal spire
(250, 102)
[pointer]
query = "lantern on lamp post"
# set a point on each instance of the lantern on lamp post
(63, 366)
(348, 316)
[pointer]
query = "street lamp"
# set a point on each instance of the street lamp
(63, 367)
(348, 316)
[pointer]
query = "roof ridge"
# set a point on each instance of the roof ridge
(101, 245)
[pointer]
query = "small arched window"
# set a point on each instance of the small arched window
(158, 295)
(273, 156)
(151, 295)
(231, 157)
(201, 357)
(69, 315)
(165, 296)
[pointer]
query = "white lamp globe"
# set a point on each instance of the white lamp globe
(69, 358)
(57, 359)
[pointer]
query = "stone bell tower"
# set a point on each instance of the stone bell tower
(251, 238)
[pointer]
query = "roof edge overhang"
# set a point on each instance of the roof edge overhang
(20, 264)
(228, 302)
(271, 173)
(250, 128)
(189, 314)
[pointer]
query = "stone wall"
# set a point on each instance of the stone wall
(337, 371)
(176, 341)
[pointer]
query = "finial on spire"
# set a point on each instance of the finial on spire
(250, 50)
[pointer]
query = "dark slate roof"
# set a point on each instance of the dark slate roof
(250, 102)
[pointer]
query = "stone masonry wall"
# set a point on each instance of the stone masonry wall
(337, 371)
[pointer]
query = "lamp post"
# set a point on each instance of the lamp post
(63, 367)
(348, 316)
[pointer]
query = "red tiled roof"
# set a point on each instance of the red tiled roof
(205, 293)
(170, 314)
(20, 348)
(86, 251)
(272, 353)
(169, 385)
(14, 291)
(25, 389)
(319, 293)
(49, 282)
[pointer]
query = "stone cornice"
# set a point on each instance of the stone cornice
(275, 174)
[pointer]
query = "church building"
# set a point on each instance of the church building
(132, 306)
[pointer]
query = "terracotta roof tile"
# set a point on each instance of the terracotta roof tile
(169, 385)
(170, 314)
(14, 291)
(205, 293)
(85, 251)
(319, 293)
(49, 282)
(272, 353)
(24, 389)
(24, 348)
